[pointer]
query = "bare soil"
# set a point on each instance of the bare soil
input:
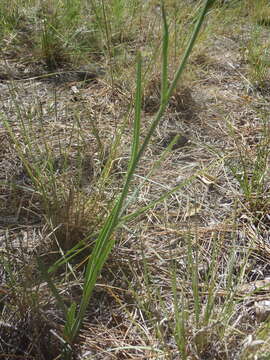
(218, 116)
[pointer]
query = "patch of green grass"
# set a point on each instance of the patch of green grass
(258, 58)
(251, 173)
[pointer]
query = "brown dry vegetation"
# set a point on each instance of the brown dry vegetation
(189, 278)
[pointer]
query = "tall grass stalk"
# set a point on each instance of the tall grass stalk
(105, 242)
(180, 316)
(193, 269)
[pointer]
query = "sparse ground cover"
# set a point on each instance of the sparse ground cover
(187, 274)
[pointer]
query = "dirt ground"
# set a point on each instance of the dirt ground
(220, 118)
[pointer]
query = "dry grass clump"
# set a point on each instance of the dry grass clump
(180, 102)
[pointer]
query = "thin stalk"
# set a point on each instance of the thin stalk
(165, 45)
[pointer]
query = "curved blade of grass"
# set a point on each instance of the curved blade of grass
(165, 44)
